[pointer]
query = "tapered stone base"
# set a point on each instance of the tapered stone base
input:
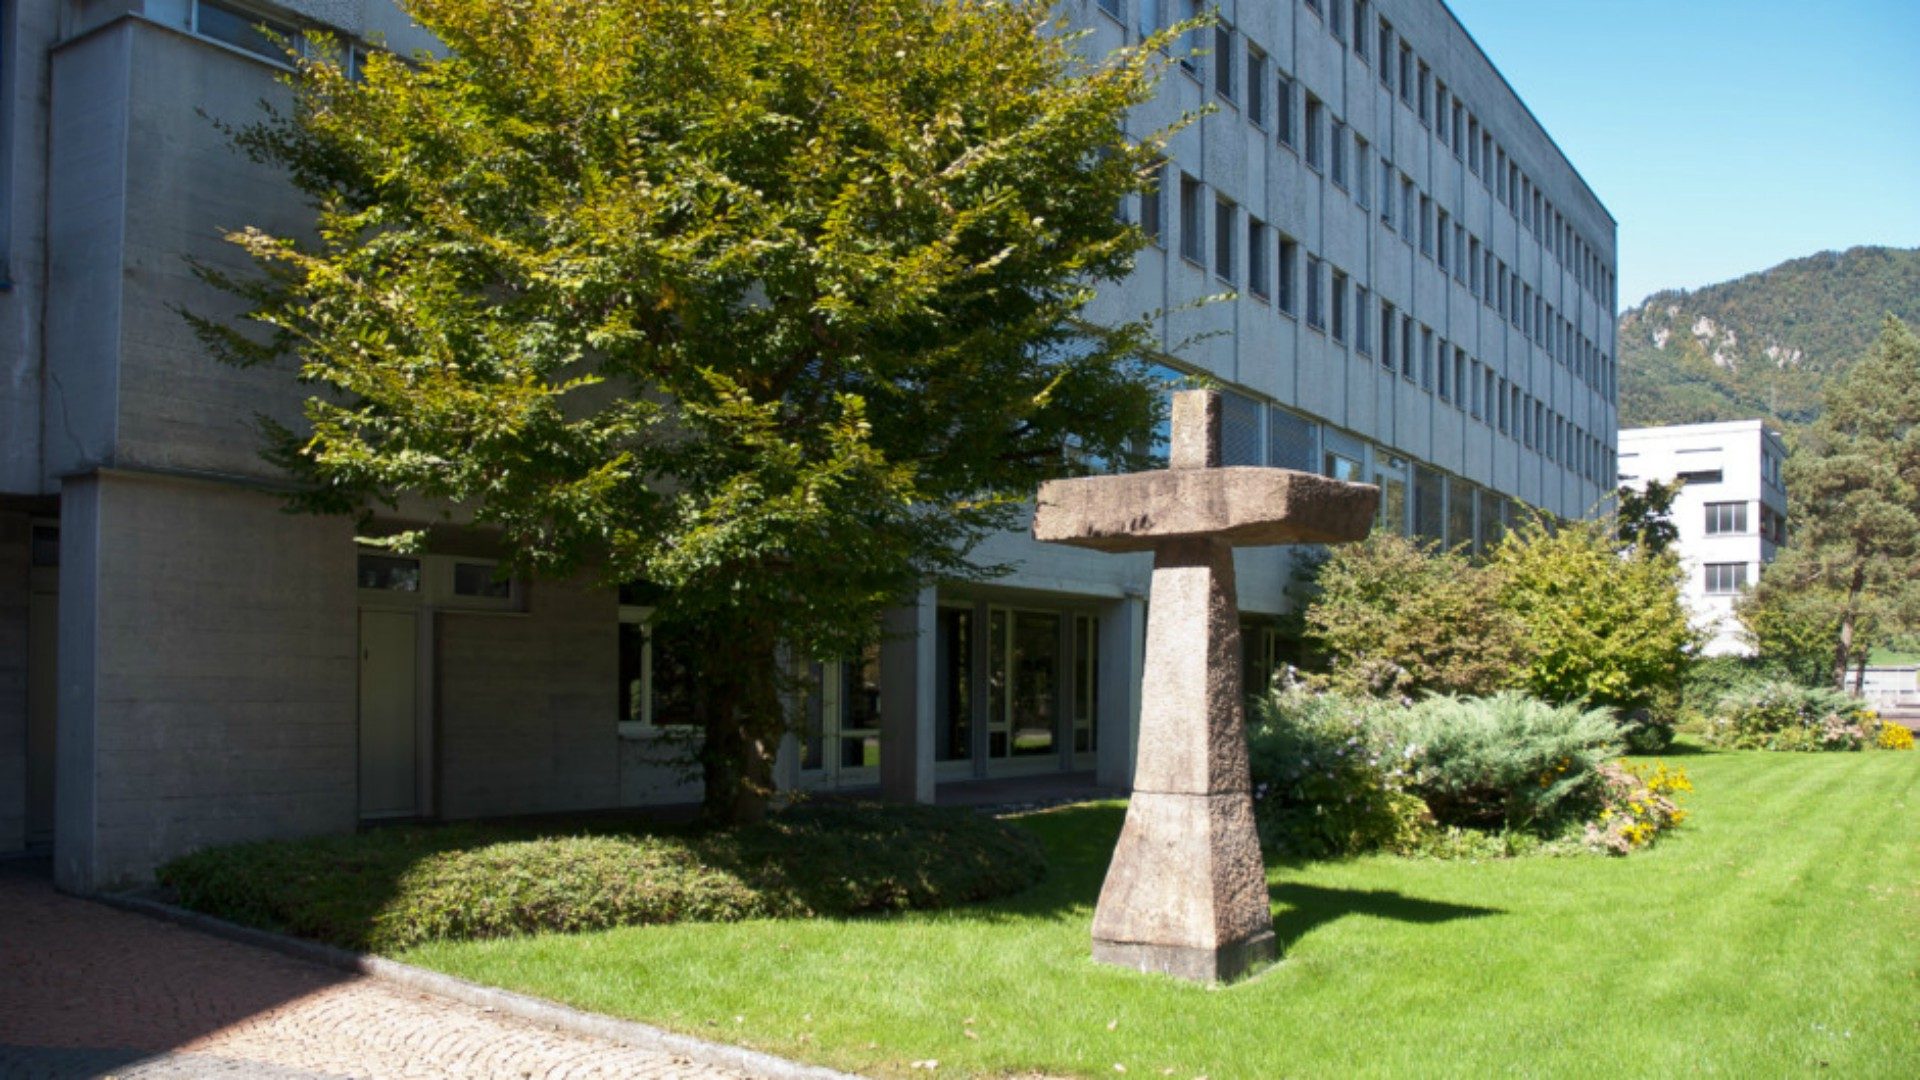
(1225, 964)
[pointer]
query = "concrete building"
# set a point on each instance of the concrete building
(1425, 296)
(1731, 511)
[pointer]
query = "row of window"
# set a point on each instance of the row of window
(250, 31)
(1323, 138)
(1730, 518)
(1724, 578)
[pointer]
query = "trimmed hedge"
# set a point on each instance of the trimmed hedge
(389, 889)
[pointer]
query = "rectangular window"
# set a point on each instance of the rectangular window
(1316, 311)
(1283, 110)
(1362, 322)
(1406, 208)
(1362, 174)
(1445, 385)
(1258, 280)
(1426, 226)
(1473, 145)
(1192, 236)
(1726, 517)
(1406, 73)
(1505, 410)
(1223, 60)
(1225, 222)
(1337, 19)
(1256, 86)
(1360, 28)
(1440, 111)
(1339, 301)
(1386, 193)
(1386, 336)
(1289, 293)
(1459, 249)
(1726, 578)
(1460, 386)
(1475, 400)
(1488, 400)
(1385, 53)
(1426, 359)
(1337, 153)
(1153, 207)
(1459, 135)
(1406, 347)
(1426, 94)
(1111, 7)
(1440, 241)
(241, 29)
(1316, 119)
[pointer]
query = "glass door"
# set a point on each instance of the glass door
(1024, 672)
(840, 733)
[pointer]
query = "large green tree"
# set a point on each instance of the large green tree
(1853, 483)
(773, 304)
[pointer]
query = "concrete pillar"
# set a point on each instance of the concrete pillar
(206, 674)
(1122, 642)
(907, 700)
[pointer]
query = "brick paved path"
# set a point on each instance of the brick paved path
(90, 991)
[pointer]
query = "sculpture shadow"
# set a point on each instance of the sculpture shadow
(1300, 909)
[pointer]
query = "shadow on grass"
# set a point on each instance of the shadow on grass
(1309, 907)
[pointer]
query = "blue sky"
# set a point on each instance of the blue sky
(1725, 136)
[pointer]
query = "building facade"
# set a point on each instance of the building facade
(1731, 511)
(1423, 297)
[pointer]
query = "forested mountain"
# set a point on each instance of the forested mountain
(1760, 345)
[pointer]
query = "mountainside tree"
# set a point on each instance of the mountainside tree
(1854, 486)
(772, 305)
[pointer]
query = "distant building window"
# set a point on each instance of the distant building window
(1700, 476)
(1152, 206)
(1386, 193)
(1259, 282)
(1316, 313)
(1283, 110)
(1223, 61)
(1337, 153)
(1386, 55)
(1316, 149)
(1289, 293)
(1386, 336)
(389, 573)
(1339, 302)
(1362, 322)
(1192, 239)
(1256, 86)
(1111, 7)
(1723, 578)
(1406, 73)
(1726, 517)
(1225, 219)
(1362, 174)
(1360, 28)
(242, 29)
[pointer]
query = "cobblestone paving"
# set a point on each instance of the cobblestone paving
(89, 991)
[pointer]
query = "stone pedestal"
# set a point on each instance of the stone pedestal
(1186, 893)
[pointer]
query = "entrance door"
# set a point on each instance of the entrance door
(389, 748)
(42, 712)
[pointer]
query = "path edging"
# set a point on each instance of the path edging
(630, 1033)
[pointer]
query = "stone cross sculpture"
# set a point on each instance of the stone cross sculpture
(1186, 893)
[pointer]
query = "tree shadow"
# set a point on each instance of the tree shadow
(1306, 908)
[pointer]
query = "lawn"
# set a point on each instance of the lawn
(1777, 932)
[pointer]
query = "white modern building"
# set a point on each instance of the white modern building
(1424, 300)
(1731, 511)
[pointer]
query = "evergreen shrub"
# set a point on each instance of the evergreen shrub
(1780, 715)
(1506, 762)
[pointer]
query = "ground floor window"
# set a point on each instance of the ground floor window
(657, 684)
(840, 728)
(1086, 684)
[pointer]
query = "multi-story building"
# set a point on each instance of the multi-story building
(1731, 511)
(1424, 291)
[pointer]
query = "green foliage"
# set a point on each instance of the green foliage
(1329, 779)
(1854, 485)
(1793, 619)
(1784, 716)
(1644, 520)
(1395, 616)
(774, 305)
(1600, 626)
(1507, 762)
(1780, 335)
(395, 888)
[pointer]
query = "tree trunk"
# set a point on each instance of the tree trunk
(745, 721)
(1860, 675)
(1843, 651)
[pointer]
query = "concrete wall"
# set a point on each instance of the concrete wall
(28, 30)
(207, 674)
(528, 706)
(16, 532)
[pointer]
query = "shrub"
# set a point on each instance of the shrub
(1394, 617)
(394, 888)
(1638, 803)
(1327, 779)
(1779, 715)
(1893, 736)
(1602, 627)
(1508, 761)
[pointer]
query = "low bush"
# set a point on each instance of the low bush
(1446, 777)
(392, 888)
(1893, 737)
(1328, 778)
(1638, 802)
(1779, 715)
(1507, 761)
